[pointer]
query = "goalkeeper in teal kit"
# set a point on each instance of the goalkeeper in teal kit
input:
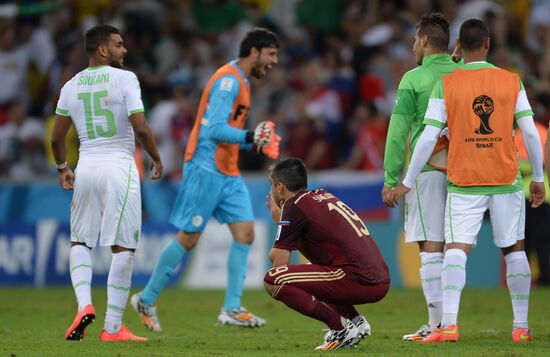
(212, 185)
(425, 203)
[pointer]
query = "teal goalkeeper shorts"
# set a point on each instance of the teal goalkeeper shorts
(204, 194)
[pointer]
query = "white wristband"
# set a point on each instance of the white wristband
(61, 166)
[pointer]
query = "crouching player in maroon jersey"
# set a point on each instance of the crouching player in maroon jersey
(346, 266)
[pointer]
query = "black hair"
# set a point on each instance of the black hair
(98, 35)
(291, 172)
(259, 38)
(472, 34)
(436, 28)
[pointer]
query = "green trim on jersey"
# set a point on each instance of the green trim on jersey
(478, 65)
(141, 110)
(63, 112)
(97, 67)
(516, 186)
(408, 112)
(524, 113)
(435, 123)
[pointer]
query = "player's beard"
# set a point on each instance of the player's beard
(257, 70)
(117, 64)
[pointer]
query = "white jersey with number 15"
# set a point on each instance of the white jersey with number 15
(99, 101)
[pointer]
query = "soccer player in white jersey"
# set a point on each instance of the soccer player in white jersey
(104, 104)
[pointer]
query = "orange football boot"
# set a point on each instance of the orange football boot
(122, 335)
(449, 333)
(83, 318)
(521, 334)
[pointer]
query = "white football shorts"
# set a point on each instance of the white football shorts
(106, 204)
(425, 208)
(464, 216)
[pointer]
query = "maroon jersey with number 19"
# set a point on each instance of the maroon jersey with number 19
(329, 233)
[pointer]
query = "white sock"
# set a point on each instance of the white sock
(453, 279)
(80, 262)
(118, 289)
(430, 274)
(518, 279)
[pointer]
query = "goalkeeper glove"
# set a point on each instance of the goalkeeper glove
(263, 133)
(271, 150)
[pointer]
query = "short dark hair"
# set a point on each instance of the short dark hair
(259, 38)
(291, 172)
(98, 35)
(436, 28)
(472, 34)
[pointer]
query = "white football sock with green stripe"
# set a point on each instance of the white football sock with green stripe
(430, 274)
(518, 279)
(453, 279)
(80, 261)
(118, 289)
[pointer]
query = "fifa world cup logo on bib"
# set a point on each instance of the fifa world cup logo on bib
(483, 107)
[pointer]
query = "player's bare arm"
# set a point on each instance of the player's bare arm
(60, 129)
(145, 137)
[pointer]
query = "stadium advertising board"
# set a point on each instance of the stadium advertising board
(38, 254)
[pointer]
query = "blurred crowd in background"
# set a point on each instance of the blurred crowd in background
(331, 95)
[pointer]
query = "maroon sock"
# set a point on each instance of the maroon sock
(308, 305)
(348, 311)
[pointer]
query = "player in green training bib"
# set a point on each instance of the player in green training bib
(425, 204)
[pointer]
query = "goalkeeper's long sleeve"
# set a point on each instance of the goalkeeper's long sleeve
(220, 106)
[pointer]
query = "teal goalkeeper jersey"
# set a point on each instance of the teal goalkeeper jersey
(408, 112)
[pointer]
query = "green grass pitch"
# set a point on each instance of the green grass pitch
(33, 323)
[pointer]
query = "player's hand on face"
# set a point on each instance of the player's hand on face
(396, 193)
(273, 208)
(385, 195)
(66, 179)
(156, 169)
(536, 193)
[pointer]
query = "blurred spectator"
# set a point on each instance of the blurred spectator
(538, 37)
(21, 144)
(370, 131)
(171, 122)
(21, 45)
(321, 103)
(306, 141)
